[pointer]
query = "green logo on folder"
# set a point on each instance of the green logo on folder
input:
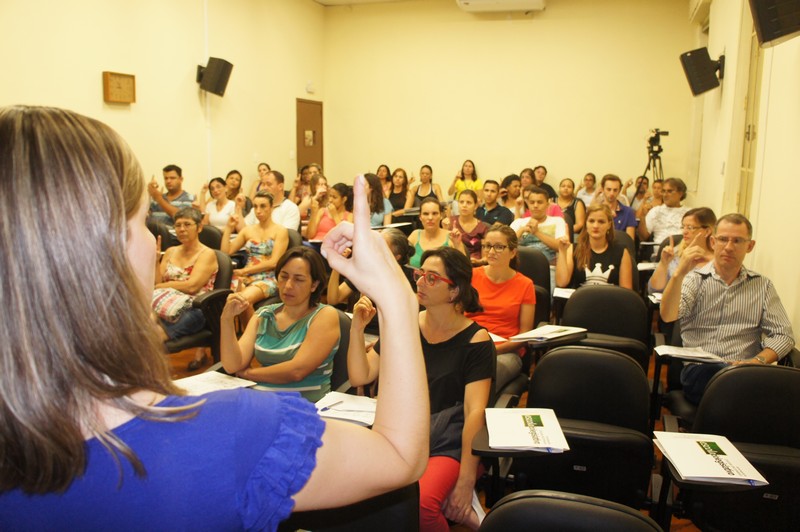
(532, 421)
(710, 447)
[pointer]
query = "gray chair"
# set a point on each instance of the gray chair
(210, 236)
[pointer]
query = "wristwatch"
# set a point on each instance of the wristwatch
(761, 358)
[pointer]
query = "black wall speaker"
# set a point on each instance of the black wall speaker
(214, 77)
(701, 71)
(775, 20)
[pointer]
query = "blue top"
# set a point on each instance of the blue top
(624, 217)
(376, 218)
(157, 213)
(233, 466)
(274, 346)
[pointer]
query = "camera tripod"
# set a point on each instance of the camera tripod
(654, 163)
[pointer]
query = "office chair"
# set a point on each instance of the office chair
(600, 398)
(554, 511)
(615, 318)
(158, 229)
(340, 381)
(534, 265)
(396, 511)
(211, 303)
(629, 244)
(210, 236)
(294, 238)
(757, 408)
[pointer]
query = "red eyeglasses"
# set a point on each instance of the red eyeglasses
(431, 278)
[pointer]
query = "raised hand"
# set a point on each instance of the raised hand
(371, 266)
(533, 226)
(154, 189)
(668, 252)
(691, 255)
(363, 312)
(563, 244)
(235, 305)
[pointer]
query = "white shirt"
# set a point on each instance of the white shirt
(219, 218)
(286, 214)
(664, 221)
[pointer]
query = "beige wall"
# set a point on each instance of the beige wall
(575, 87)
(54, 53)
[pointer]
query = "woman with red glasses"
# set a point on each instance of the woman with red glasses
(459, 359)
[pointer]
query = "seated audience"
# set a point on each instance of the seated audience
(164, 206)
(459, 357)
(597, 258)
(466, 179)
(426, 188)
(284, 211)
(539, 230)
(655, 200)
(219, 211)
(95, 433)
(640, 193)
(385, 175)
(324, 218)
(508, 299)
(264, 243)
(491, 211)
(624, 217)
(432, 235)
(510, 194)
(570, 205)
(587, 192)
(318, 191)
(293, 342)
(665, 219)
(260, 183)
(190, 268)
(379, 207)
(303, 187)
(726, 309)
(530, 177)
(471, 229)
(697, 227)
(398, 194)
(539, 175)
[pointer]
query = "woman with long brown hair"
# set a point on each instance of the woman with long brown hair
(93, 431)
(597, 258)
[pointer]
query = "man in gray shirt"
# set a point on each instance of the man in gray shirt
(725, 308)
(164, 206)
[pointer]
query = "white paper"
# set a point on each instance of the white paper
(546, 332)
(354, 408)
(708, 458)
(694, 354)
(563, 293)
(646, 266)
(655, 297)
(211, 381)
(535, 429)
(497, 338)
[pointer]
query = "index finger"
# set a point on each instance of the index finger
(694, 240)
(671, 242)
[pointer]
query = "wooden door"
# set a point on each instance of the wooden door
(309, 132)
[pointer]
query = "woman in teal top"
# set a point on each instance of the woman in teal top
(293, 342)
(432, 235)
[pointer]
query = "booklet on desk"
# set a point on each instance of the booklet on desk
(707, 458)
(353, 408)
(211, 381)
(525, 429)
(692, 354)
(547, 332)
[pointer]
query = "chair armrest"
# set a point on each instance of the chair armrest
(671, 423)
(507, 400)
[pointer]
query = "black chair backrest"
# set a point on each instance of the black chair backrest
(295, 239)
(591, 384)
(210, 236)
(542, 311)
(534, 265)
(752, 403)
(608, 309)
(225, 272)
(630, 245)
(676, 239)
(555, 511)
(161, 230)
(339, 375)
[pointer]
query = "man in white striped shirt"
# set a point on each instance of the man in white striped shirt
(725, 308)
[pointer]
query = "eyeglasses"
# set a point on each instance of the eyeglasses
(693, 227)
(737, 241)
(431, 278)
(498, 248)
(184, 225)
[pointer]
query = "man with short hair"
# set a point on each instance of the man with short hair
(284, 212)
(724, 308)
(624, 217)
(491, 212)
(164, 206)
(665, 220)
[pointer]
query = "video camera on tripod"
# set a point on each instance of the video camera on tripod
(654, 142)
(654, 150)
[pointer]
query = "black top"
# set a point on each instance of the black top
(608, 271)
(498, 214)
(398, 200)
